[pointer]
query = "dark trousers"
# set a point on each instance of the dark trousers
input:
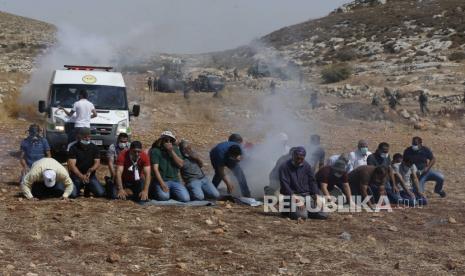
(39, 190)
(93, 187)
(238, 174)
(135, 186)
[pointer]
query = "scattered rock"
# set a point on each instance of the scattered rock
(138, 219)
(209, 222)
(345, 236)
(227, 252)
(228, 206)
(420, 126)
(397, 265)
(124, 240)
(452, 220)
(31, 274)
(73, 234)
(182, 266)
(218, 212)
(218, 231)
(158, 230)
(37, 236)
(4, 190)
(113, 258)
(404, 113)
(451, 265)
(10, 267)
(67, 238)
(371, 238)
(393, 228)
(221, 223)
(304, 260)
(247, 231)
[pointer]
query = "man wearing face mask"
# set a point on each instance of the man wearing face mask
(405, 172)
(381, 158)
(424, 160)
(297, 181)
(166, 161)
(33, 148)
(132, 174)
(330, 177)
(359, 157)
(83, 162)
(122, 143)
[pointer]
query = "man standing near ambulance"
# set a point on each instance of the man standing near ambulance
(85, 110)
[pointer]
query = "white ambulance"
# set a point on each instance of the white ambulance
(106, 90)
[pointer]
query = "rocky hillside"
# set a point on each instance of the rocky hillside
(395, 42)
(21, 41)
(404, 45)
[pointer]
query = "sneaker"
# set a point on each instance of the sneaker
(442, 194)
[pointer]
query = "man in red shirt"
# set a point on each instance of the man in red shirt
(132, 174)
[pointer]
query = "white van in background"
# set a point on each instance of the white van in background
(106, 90)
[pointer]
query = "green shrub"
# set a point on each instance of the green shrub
(336, 72)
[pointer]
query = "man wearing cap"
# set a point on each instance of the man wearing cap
(33, 148)
(359, 157)
(228, 155)
(330, 177)
(47, 177)
(83, 162)
(132, 174)
(166, 160)
(298, 183)
(333, 158)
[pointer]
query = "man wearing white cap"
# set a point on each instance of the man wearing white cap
(47, 177)
(166, 161)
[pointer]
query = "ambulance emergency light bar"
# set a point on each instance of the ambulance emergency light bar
(87, 68)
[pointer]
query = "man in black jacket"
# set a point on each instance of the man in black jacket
(298, 184)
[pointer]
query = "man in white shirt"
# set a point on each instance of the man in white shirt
(84, 110)
(359, 157)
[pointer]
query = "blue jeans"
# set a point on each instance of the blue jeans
(93, 186)
(199, 189)
(39, 190)
(176, 191)
(238, 173)
(406, 199)
(435, 176)
(135, 186)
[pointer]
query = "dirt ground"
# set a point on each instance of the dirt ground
(99, 237)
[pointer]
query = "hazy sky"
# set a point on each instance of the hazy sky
(187, 26)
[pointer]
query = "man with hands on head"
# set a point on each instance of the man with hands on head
(166, 161)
